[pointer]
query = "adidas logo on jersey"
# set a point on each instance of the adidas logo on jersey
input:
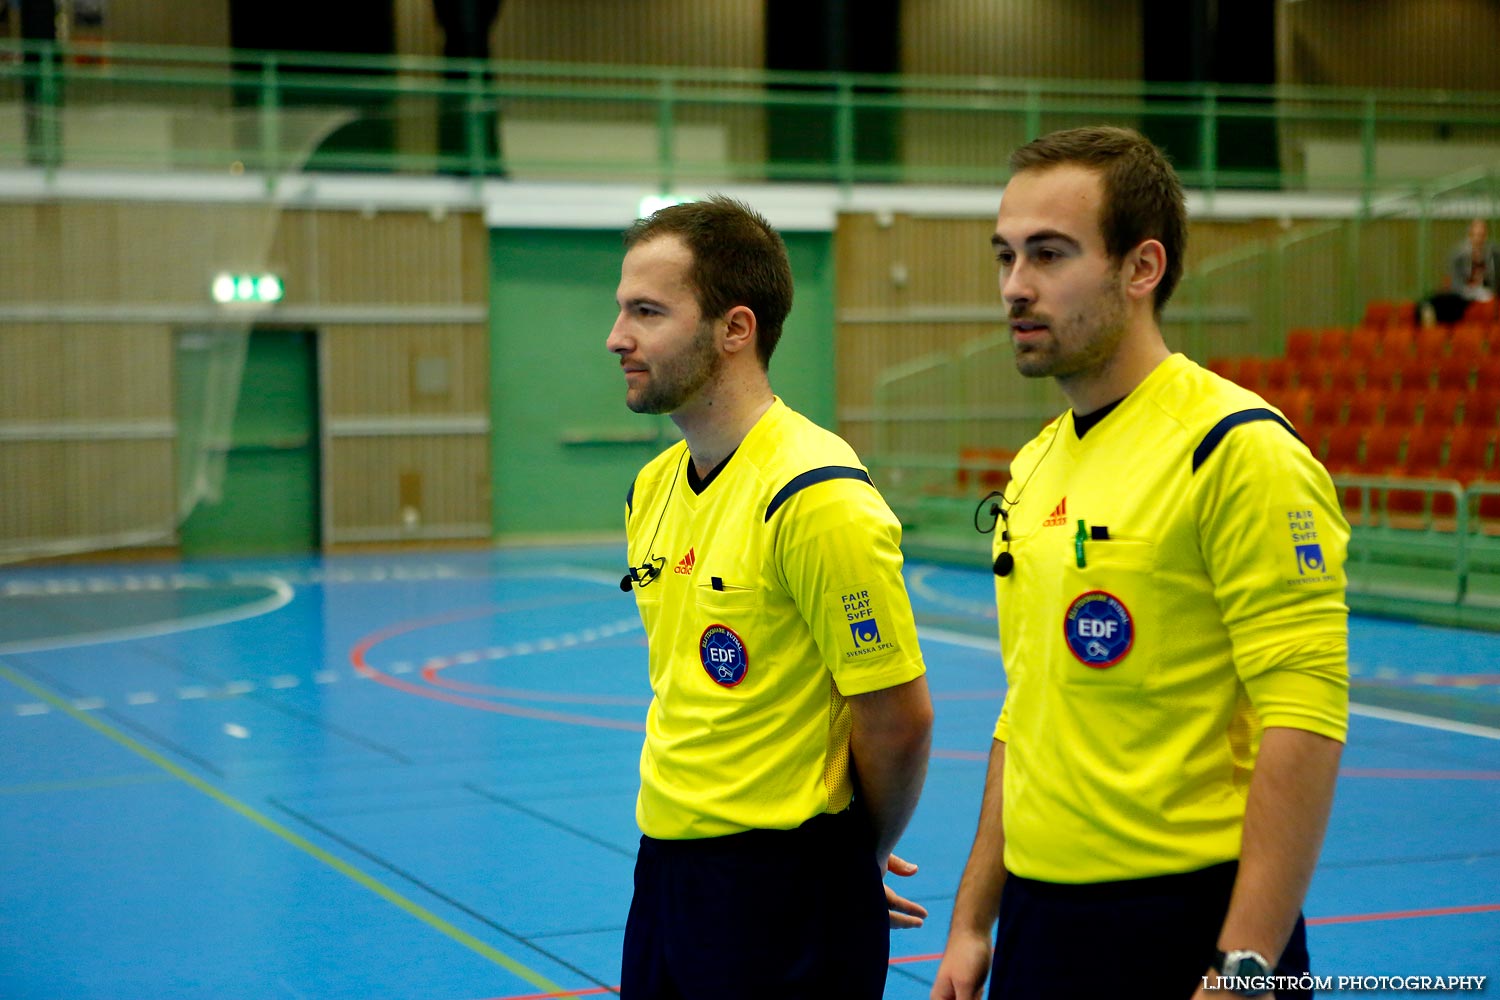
(686, 563)
(1058, 516)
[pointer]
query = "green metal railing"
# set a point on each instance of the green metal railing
(278, 111)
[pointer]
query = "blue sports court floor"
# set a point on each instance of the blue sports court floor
(413, 777)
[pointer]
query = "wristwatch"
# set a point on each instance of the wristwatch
(1244, 965)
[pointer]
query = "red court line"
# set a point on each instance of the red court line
(430, 675)
(1391, 772)
(1445, 911)
(1357, 918)
(357, 658)
(565, 993)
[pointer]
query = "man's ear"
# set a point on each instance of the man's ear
(1144, 268)
(739, 329)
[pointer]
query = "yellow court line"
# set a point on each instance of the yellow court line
(296, 840)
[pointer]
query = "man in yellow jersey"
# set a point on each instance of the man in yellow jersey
(1169, 575)
(787, 737)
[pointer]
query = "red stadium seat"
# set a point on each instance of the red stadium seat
(1301, 344)
(1340, 449)
(1278, 373)
(1331, 343)
(1469, 341)
(1385, 312)
(1471, 452)
(1252, 372)
(1482, 407)
(1442, 408)
(1364, 342)
(1365, 406)
(1224, 367)
(1423, 459)
(1487, 374)
(1416, 373)
(1383, 372)
(1382, 455)
(1424, 451)
(1455, 373)
(1295, 404)
(1432, 341)
(1401, 407)
(1483, 311)
(1327, 408)
(1345, 375)
(1397, 341)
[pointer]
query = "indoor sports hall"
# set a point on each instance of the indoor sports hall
(316, 676)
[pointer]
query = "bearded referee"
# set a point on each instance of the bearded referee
(788, 733)
(1169, 579)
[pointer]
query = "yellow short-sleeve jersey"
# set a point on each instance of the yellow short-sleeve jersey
(1178, 585)
(780, 593)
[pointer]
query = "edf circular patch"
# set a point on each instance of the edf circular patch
(1098, 629)
(723, 655)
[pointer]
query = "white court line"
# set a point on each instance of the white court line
(988, 645)
(575, 573)
(1425, 721)
(281, 594)
(917, 580)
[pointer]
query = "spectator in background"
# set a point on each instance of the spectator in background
(1475, 264)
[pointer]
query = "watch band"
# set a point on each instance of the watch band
(1243, 964)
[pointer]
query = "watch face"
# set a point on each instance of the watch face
(1244, 964)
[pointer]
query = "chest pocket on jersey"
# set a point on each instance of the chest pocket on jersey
(1110, 625)
(730, 602)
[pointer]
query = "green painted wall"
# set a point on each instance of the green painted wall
(557, 395)
(270, 498)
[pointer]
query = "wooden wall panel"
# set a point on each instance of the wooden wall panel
(151, 253)
(118, 374)
(726, 33)
(1016, 38)
(451, 487)
(203, 23)
(1394, 43)
(660, 32)
(127, 252)
(85, 489)
(391, 257)
(379, 370)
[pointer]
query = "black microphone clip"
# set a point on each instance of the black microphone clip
(642, 574)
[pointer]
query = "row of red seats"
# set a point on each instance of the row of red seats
(1469, 339)
(1350, 374)
(1466, 454)
(1397, 312)
(1378, 405)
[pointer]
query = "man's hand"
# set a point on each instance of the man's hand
(905, 914)
(965, 967)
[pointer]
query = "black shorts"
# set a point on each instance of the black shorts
(1151, 937)
(761, 915)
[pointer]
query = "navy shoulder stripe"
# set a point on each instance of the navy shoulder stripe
(811, 478)
(630, 498)
(1212, 438)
